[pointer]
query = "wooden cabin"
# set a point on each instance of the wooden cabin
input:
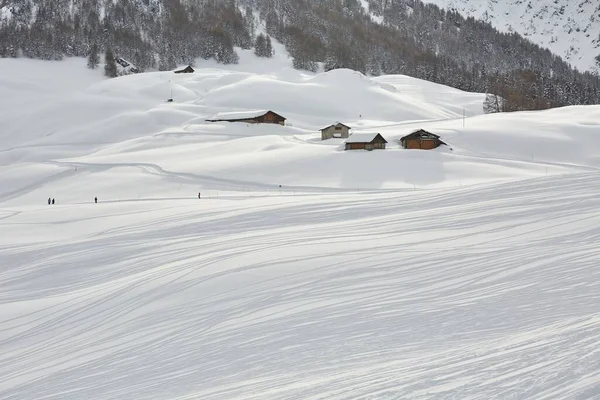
(365, 141)
(186, 70)
(337, 130)
(421, 139)
(251, 117)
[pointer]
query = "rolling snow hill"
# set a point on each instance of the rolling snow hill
(469, 271)
(570, 29)
(85, 125)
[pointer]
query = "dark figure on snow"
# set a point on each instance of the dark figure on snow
(52, 201)
(49, 201)
(95, 199)
(198, 194)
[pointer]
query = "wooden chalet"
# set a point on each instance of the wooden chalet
(365, 141)
(337, 130)
(186, 70)
(252, 117)
(421, 139)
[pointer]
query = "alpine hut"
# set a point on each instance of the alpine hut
(365, 141)
(186, 70)
(421, 139)
(337, 130)
(252, 117)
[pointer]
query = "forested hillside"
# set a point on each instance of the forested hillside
(373, 37)
(568, 28)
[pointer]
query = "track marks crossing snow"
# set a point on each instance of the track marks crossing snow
(490, 292)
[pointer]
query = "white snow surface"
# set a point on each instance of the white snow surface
(361, 137)
(5, 13)
(375, 18)
(469, 271)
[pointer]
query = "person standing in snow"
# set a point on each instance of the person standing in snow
(96, 199)
(49, 200)
(199, 195)
(52, 201)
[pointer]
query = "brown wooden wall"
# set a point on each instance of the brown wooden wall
(429, 144)
(271, 118)
(421, 144)
(412, 144)
(355, 146)
(329, 133)
(363, 146)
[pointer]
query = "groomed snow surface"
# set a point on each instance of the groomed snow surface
(465, 272)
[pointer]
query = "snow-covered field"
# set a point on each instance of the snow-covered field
(466, 272)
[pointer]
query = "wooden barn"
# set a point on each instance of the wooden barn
(421, 139)
(186, 70)
(337, 130)
(252, 117)
(365, 141)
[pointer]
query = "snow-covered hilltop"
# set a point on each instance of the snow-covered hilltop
(570, 29)
(304, 270)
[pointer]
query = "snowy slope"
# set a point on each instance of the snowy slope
(469, 271)
(570, 29)
(124, 127)
(454, 293)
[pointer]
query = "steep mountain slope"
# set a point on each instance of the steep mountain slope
(570, 29)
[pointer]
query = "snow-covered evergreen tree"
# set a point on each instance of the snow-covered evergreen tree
(110, 65)
(93, 57)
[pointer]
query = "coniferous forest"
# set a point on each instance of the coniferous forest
(400, 37)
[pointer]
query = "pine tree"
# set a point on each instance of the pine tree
(110, 67)
(263, 47)
(268, 47)
(260, 46)
(167, 61)
(93, 57)
(493, 103)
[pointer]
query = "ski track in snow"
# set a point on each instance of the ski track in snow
(487, 293)
(466, 272)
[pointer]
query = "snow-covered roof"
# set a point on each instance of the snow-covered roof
(336, 124)
(125, 67)
(362, 137)
(184, 69)
(239, 115)
(421, 133)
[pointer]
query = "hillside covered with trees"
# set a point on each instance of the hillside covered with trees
(390, 37)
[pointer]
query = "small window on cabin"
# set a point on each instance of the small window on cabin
(338, 128)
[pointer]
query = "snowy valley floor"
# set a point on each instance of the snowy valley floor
(467, 272)
(467, 293)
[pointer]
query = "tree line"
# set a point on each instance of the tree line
(395, 37)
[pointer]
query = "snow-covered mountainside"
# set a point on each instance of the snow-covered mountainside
(304, 271)
(570, 29)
